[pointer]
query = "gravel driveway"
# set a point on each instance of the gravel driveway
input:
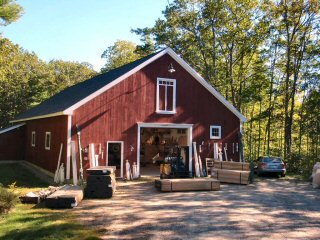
(267, 209)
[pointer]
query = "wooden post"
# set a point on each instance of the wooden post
(74, 163)
(215, 151)
(92, 155)
(196, 162)
(56, 175)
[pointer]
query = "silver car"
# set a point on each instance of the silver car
(271, 165)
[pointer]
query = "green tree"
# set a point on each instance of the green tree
(121, 53)
(65, 74)
(26, 80)
(295, 22)
(9, 12)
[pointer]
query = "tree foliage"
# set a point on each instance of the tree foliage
(9, 12)
(26, 80)
(121, 53)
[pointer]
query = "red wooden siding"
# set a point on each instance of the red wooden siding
(12, 144)
(113, 115)
(38, 155)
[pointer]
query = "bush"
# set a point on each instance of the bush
(7, 199)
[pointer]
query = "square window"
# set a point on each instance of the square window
(33, 139)
(215, 132)
(48, 141)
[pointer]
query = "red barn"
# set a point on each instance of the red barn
(136, 112)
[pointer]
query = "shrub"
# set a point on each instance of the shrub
(7, 199)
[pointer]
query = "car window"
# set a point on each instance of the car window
(272, 160)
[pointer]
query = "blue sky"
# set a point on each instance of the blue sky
(79, 30)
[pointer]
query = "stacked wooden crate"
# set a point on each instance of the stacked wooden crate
(187, 184)
(101, 182)
(230, 172)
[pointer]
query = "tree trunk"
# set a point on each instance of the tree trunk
(259, 132)
(287, 121)
(270, 107)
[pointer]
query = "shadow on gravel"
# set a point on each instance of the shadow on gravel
(267, 208)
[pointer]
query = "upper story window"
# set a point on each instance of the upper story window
(215, 132)
(33, 139)
(166, 96)
(47, 144)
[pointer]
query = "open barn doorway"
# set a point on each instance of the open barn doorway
(158, 143)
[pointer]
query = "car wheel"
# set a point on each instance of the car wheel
(283, 174)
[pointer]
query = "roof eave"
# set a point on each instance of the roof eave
(11, 128)
(39, 117)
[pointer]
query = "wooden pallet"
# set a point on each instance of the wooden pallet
(66, 197)
(187, 184)
(230, 176)
(228, 165)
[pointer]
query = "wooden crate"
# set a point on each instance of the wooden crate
(230, 176)
(228, 165)
(187, 184)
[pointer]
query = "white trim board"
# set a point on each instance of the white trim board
(175, 56)
(122, 149)
(11, 128)
(164, 125)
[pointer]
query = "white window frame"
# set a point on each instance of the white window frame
(45, 141)
(33, 138)
(173, 97)
(215, 137)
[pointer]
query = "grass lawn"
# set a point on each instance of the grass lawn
(27, 221)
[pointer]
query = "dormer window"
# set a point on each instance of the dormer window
(166, 96)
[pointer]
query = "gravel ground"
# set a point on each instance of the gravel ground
(268, 209)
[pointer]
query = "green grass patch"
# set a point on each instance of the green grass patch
(27, 221)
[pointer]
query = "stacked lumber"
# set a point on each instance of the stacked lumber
(231, 165)
(187, 184)
(67, 196)
(230, 176)
(101, 182)
(229, 172)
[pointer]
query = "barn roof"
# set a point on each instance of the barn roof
(64, 102)
(8, 129)
(68, 97)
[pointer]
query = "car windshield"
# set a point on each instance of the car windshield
(273, 160)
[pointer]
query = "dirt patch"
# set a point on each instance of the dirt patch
(270, 208)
